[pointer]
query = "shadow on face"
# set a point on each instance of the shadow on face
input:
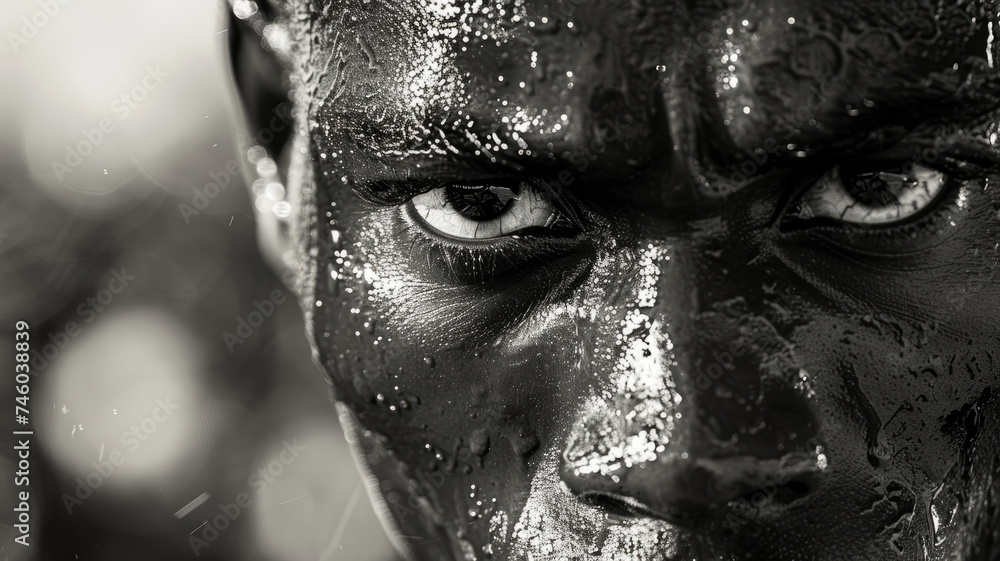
(651, 280)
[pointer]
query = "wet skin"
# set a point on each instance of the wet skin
(740, 306)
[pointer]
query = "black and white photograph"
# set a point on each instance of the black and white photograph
(500, 280)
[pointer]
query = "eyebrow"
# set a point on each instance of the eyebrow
(964, 101)
(447, 143)
(406, 177)
(445, 132)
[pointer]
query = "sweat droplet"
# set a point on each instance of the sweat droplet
(429, 361)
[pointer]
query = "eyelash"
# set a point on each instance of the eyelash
(487, 261)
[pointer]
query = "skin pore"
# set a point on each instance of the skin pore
(656, 280)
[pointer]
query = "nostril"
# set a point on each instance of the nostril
(770, 493)
(623, 506)
(610, 503)
(691, 492)
(799, 488)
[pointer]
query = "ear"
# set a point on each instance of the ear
(260, 78)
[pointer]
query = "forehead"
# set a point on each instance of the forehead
(542, 79)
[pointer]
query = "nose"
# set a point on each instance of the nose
(698, 415)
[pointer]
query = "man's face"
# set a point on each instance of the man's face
(660, 280)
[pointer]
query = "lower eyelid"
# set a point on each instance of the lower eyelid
(502, 260)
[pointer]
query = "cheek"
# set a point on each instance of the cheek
(361, 346)
(899, 392)
(440, 402)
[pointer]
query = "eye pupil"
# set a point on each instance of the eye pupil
(478, 202)
(872, 189)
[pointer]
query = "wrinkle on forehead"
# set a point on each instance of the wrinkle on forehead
(501, 75)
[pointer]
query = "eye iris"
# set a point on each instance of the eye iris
(872, 189)
(479, 203)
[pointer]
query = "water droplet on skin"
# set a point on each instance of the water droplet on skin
(429, 361)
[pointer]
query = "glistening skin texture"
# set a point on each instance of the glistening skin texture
(749, 310)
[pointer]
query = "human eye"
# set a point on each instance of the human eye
(480, 233)
(482, 212)
(873, 193)
(901, 200)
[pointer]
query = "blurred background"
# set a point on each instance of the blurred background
(175, 408)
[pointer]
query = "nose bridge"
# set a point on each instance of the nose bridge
(632, 419)
(689, 418)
